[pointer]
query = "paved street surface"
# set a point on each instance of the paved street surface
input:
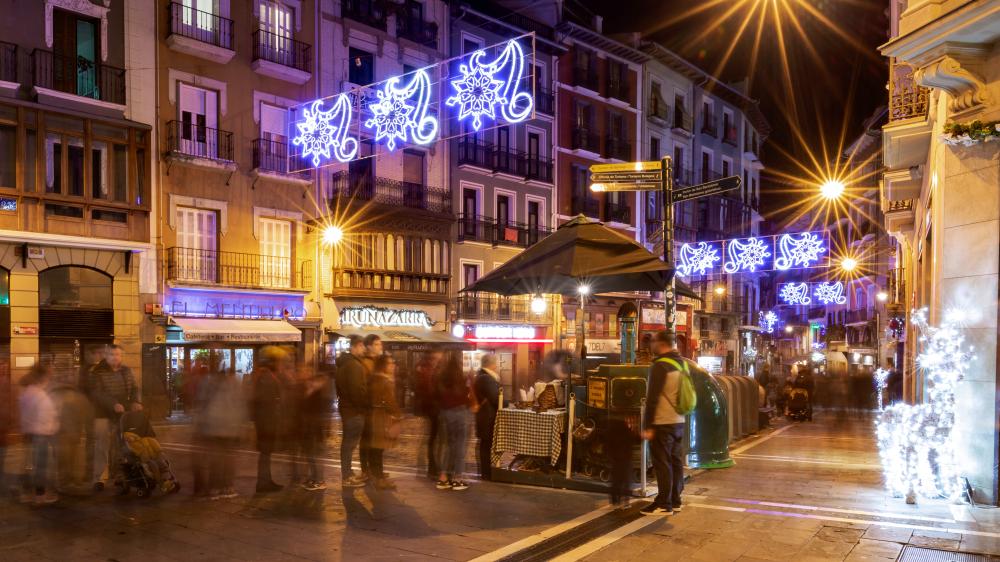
(802, 492)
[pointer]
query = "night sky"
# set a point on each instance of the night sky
(833, 91)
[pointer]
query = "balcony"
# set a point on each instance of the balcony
(731, 137)
(617, 147)
(617, 89)
(54, 76)
(391, 193)
(507, 161)
(897, 286)
(417, 30)
(585, 205)
(490, 231)
(585, 78)
(545, 101)
(861, 316)
(200, 34)
(907, 99)
(8, 62)
(203, 146)
(270, 158)
(490, 307)
(709, 126)
(658, 110)
(617, 212)
(380, 283)
(584, 139)
(474, 152)
(682, 120)
(537, 168)
(281, 57)
(193, 266)
(369, 12)
(899, 216)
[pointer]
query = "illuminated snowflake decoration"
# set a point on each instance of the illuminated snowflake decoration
(746, 256)
(915, 442)
(795, 293)
(881, 382)
(484, 88)
(323, 134)
(401, 112)
(698, 259)
(798, 252)
(830, 293)
(767, 321)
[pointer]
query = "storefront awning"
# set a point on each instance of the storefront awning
(407, 339)
(235, 330)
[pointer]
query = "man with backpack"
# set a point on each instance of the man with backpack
(670, 397)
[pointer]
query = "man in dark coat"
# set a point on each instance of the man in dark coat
(268, 390)
(487, 389)
(112, 390)
(428, 372)
(352, 391)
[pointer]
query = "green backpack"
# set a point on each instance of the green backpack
(687, 397)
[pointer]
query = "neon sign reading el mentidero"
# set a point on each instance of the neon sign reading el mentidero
(377, 317)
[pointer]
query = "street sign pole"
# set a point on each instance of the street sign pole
(666, 193)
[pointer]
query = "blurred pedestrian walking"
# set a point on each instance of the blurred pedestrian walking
(112, 390)
(220, 412)
(384, 419)
(268, 390)
(487, 392)
(39, 424)
(312, 426)
(428, 373)
(373, 350)
(352, 392)
(453, 418)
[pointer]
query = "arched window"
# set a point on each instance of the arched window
(379, 251)
(400, 254)
(445, 258)
(428, 265)
(74, 287)
(436, 257)
(390, 252)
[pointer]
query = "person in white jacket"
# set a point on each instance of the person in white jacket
(39, 424)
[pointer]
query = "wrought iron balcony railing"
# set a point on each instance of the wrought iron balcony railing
(8, 62)
(281, 50)
(487, 306)
(235, 269)
(201, 26)
(907, 99)
(191, 139)
(585, 77)
(417, 30)
(389, 192)
(617, 89)
(617, 212)
(586, 205)
(538, 168)
(364, 282)
(78, 76)
(272, 156)
(897, 285)
(489, 230)
(617, 147)
(545, 101)
(369, 12)
(899, 206)
(584, 139)
(474, 152)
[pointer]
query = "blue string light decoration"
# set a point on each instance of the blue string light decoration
(746, 256)
(483, 87)
(767, 321)
(323, 134)
(795, 294)
(830, 293)
(698, 259)
(798, 250)
(401, 112)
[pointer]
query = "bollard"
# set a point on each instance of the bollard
(708, 425)
(570, 414)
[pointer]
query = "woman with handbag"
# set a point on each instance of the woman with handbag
(385, 418)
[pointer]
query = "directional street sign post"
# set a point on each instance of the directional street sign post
(652, 176)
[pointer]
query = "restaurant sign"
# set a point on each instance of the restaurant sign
(378, 317)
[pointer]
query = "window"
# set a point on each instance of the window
(503, 210)
(707, 118)
(470, 45)
(361, 172)
(580, 180)
(726, 164)
(274, 141)
(75, 44)
(8, 155)
(706, 166)
(74, 287)
(534, 146)
(413, 167)
(583, 116)
(654, 148)
(470, 210)
(200, 17)
(275, 252)
(198, 109)
(678, 163)
(276, 22)
(470, 274)
(656, 105)
(361, 68)
(195, 257)
(727, 120)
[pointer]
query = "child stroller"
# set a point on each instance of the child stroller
(142, 465)
(798, 405)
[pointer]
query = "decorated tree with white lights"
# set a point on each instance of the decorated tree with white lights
(915, 441)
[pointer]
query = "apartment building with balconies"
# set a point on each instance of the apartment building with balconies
(940, 202)
(236, 267)
(502, 182)
(76, 183)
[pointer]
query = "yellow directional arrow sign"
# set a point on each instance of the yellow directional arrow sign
(625, 177)
(626, 167)
(633, 186)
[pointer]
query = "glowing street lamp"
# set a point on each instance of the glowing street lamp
(332, 235)
(583, 289)
(789, 329)
(848, 264)
(832, 189)
(538, 304)
(882, 296)
(720, 290)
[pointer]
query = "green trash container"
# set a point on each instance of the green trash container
(708, 425)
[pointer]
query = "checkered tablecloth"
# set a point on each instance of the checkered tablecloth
(526, 432)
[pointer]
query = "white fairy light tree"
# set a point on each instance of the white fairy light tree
(915, 441)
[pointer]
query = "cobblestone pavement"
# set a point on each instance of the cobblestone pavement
(805, 492)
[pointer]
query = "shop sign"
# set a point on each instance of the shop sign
(25, 330)
(223, 304)
(599, 347)
(486, 332)
(711, 363)
(655, 319)
(378, 317)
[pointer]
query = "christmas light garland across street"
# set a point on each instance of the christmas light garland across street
(915, 441)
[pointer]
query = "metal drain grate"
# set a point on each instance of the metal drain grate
(917, 554)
